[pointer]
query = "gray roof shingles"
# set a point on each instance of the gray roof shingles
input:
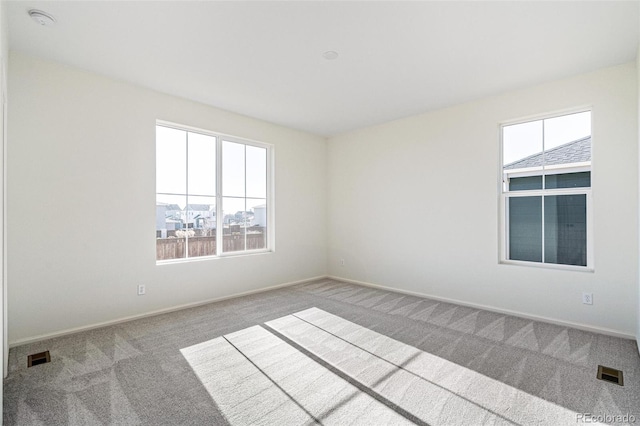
(169, 207)
(198, 207)
(577, 151)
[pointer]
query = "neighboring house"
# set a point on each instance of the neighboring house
(173, 212)
(165, 212)
(260, 216)
(566, 165)
(243, 218)
(167, 219)
(199, 216)
(161, 217)
(565, 214)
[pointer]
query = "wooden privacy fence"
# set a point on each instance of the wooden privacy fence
(174, 248)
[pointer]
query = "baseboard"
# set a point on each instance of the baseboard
(585, 327)
(68, 331)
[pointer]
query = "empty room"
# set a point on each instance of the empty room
(320, 212)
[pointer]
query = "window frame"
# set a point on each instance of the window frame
(270, 198)
(504, 195)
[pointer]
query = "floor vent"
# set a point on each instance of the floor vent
(610, 375)
(39, 358)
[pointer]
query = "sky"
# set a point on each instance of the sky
(522, 140)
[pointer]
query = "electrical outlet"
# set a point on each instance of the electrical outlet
(587, 298)
(341, 262)
(141, 289)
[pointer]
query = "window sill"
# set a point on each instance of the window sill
(205, 258)
(548, 266)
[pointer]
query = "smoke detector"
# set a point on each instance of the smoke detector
(42, 18)
(330, 55)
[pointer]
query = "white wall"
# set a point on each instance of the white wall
(638, 83)
(4, 59)
(413, 205)
(79, 142)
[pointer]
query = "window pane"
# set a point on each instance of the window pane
(566, 128)
(202, 164)
(256, 172)
(525, 183)
(565, 229)
(200, 216)
(568, 180)
(525, 228)
(171, 160)
(235, 221)
(519, 142)
(169, 210)
(233, 171)
(567, 139)
(257, 230)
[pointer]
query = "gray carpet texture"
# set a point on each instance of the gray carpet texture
(325, 352)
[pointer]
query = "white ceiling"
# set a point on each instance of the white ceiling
(264, 59)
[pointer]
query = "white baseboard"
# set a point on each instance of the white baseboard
(579, 326)
(585, 327)
(68, 331)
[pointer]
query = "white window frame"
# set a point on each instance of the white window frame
(504, 195)
(270, 198)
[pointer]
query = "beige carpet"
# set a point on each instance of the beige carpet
(328, 353)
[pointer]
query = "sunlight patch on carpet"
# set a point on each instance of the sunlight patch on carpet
(257, 376)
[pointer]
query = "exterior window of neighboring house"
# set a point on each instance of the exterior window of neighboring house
(213, 195)
(546, 191)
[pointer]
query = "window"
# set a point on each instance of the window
(546, 191)
(212, 194)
